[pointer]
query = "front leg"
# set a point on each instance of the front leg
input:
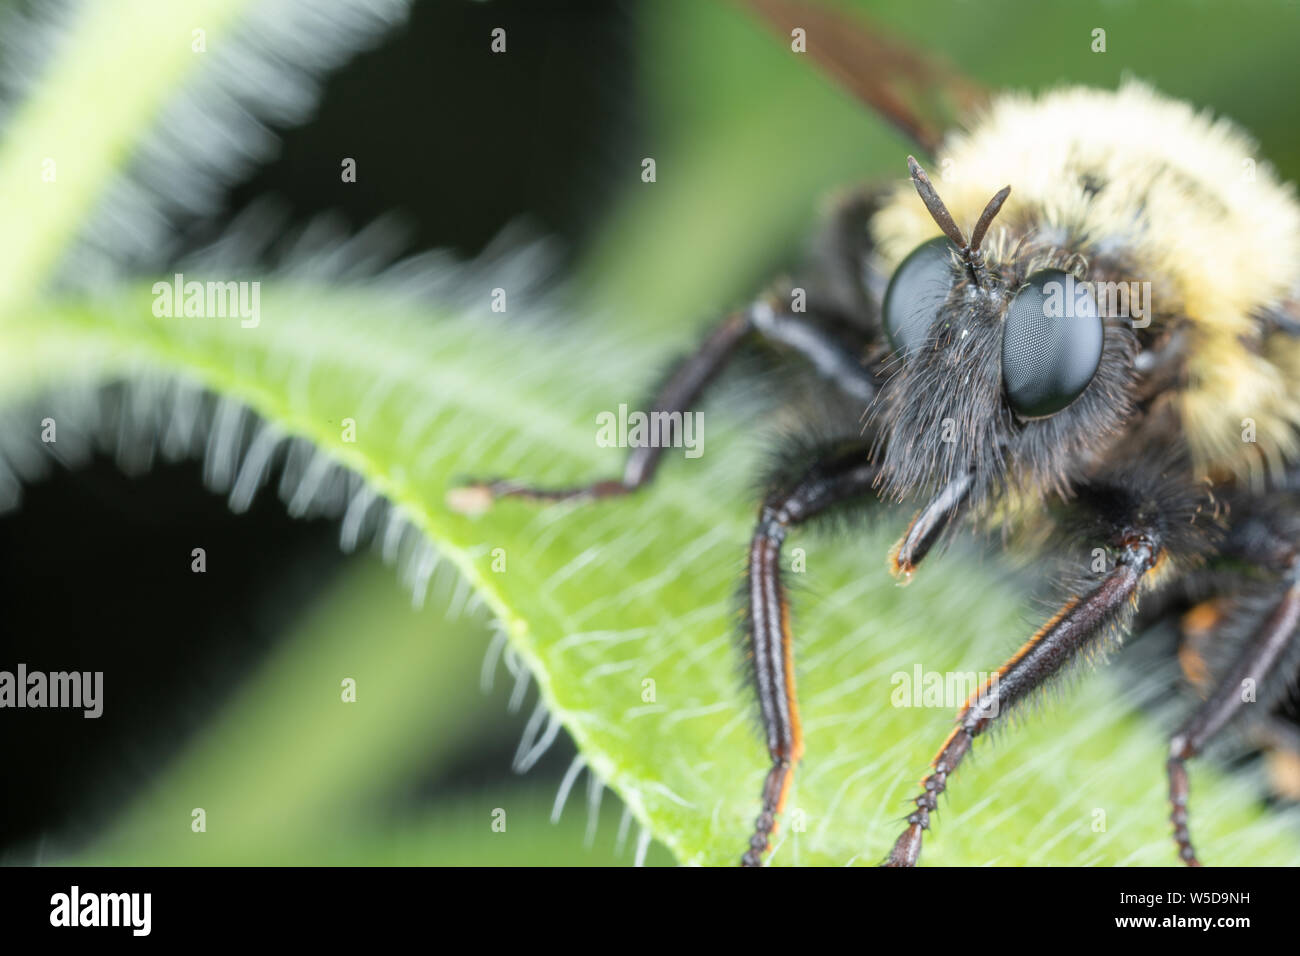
(842, 473)
(1079, 623)
(687, 383)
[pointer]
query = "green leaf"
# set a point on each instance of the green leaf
(598, 600)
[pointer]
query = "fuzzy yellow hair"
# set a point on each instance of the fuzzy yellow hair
(1194, 208)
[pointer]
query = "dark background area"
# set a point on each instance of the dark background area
(94, 566)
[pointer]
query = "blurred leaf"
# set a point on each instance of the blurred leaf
(145, 47)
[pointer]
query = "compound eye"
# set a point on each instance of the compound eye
(1051, 343)
(920, 286)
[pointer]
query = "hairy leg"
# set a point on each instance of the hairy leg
(842, 474)
(1258, 659)
(1081, 621)
(684, 386)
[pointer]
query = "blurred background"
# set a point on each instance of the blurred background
(208, 673)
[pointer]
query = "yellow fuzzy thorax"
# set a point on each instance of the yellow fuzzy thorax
(1197, 212)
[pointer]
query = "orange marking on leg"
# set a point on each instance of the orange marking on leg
(943, 747)
(1038, 636)
(896, 569)
(787, 650)
(785, 792)
(1203, 618)
(1193, 666)
(988, 684)
(1024, 649)
(1198, 626)
(1154, 572)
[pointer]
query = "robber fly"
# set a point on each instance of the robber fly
(1005, 384)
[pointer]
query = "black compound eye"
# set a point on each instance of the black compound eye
(1051, 343)
(918, 289)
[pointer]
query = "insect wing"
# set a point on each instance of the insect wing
(917, 93)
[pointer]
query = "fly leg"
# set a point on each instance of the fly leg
(840, 475)
(1080, 622)
(684, 386)
(1259, 658)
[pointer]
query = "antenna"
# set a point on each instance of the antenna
(970, 251)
